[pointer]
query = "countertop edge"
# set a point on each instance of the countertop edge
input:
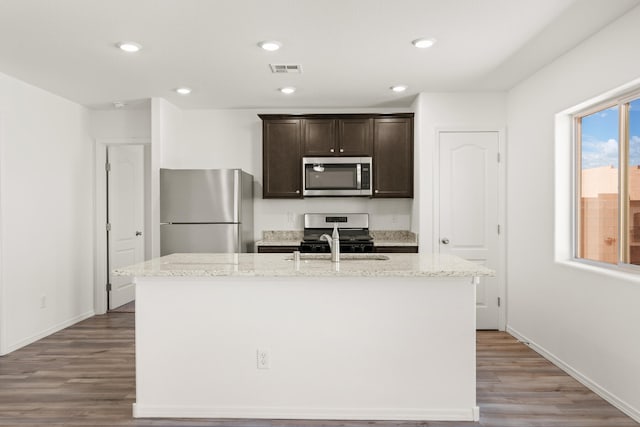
(205, 273)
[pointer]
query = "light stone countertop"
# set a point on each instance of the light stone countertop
(380, 238)
(282, 265)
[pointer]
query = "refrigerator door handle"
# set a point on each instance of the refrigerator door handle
(237, 188)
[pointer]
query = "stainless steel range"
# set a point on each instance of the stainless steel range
(353, 229)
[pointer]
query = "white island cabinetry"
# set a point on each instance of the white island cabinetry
(260, 336)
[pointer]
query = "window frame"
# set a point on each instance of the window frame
(622, 102)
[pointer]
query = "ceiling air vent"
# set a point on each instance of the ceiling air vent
(285, 68)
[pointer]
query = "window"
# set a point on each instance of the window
(608, 183)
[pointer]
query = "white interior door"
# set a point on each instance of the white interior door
(125, 201)
(468, 192)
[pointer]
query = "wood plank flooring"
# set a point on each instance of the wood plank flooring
(126, 308)
(84, 376)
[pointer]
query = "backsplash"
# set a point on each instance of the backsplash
(384, 214)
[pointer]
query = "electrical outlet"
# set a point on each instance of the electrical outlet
(43, 301)
(263, 358)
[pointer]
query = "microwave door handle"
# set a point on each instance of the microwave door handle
(358, 176)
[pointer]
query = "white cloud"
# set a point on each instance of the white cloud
(600, 153)
(634, 150)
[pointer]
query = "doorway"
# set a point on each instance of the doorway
(469, 217)
(125, 218)
(127, 202)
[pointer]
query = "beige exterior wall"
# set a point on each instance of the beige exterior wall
(600, 214)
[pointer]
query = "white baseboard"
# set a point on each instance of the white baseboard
(388, 414)
(629, 410)
(53, 329)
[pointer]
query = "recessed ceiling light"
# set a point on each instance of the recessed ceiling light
(270, 45)
(183, 90)
(287, 90)
(129, 47)
(423, 43)
(398, 88)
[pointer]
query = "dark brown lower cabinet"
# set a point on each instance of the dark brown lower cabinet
(396, 249)
(277, 249)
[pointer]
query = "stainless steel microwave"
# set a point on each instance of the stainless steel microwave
(337, 176)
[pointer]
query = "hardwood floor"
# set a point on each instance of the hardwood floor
(126, 308)
(84, 376)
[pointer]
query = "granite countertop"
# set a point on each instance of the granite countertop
(280, 238)
(282, 265)
(380, 238)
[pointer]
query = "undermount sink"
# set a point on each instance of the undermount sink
(343, 257)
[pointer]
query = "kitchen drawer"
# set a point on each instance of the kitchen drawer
(396, 249)
(277, 249)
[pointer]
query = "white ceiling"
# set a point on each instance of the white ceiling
(351, 51)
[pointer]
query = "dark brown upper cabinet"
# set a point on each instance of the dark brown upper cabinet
(355, 137)
(319, 137)
(388, 138)
(393, 157)
(281, 158)
(337, 137)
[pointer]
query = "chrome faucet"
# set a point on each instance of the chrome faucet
(334, 243)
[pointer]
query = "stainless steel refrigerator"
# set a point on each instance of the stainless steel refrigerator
(206, 210)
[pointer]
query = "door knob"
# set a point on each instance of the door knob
(138, 233)
(445, 241)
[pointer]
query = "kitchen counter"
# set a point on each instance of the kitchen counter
(262, 336)
(393, 238)
(280, 238)
(381, 238)
(282, 265)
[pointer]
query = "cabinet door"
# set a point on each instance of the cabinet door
(281, 159)
(319, 137)
(277, 249)
(393, 157)
(355, 137)
(396, 249)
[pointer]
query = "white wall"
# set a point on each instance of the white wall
(121, 123)
(447, 111)
(166, 121)
(233, 139)
(46, 214)
(586, 319)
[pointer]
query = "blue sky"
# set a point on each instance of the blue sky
(600, 137)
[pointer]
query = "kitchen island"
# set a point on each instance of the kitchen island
(264, 336)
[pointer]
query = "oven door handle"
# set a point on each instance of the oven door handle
(358, 176)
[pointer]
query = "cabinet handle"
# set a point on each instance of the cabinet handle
(297, 191)
(377, 191)
(342, 150)
(331, 150)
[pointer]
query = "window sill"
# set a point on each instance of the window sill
(622, 272)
